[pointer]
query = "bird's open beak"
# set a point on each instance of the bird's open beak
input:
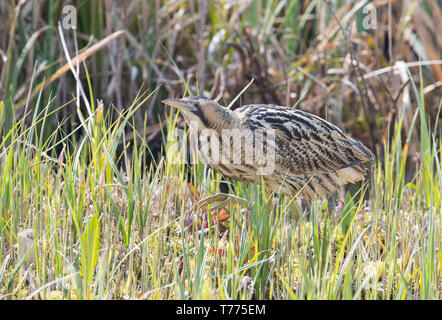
(180, 104)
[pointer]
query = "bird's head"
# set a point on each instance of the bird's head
(207, 113)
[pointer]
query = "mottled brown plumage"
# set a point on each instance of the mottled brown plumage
(311, 157)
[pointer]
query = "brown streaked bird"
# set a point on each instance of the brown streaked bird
(311, 157)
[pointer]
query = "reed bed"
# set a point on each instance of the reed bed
(97, 200)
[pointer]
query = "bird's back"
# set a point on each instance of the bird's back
(312, 154)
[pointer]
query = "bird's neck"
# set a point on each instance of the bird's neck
(219, 119)
(230, 119)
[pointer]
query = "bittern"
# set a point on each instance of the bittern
(303, 154)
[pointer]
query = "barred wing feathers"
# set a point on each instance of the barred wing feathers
(309, 150)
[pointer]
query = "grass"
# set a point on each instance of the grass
(99, 233)
(88, 210)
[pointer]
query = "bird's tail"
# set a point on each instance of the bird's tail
(320, 185)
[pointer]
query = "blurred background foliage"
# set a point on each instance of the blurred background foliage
(328, 55)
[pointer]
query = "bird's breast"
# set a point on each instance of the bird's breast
(235, 153)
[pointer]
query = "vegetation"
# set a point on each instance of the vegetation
(98, 202)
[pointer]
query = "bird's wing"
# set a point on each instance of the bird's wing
(305, 143)
(310, 186)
